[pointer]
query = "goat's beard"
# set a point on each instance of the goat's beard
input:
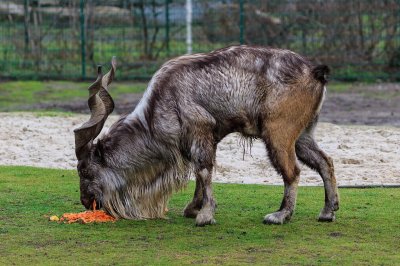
(121, 204)
(144, 195)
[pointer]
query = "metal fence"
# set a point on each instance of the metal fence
(66, 39)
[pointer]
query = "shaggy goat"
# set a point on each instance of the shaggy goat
(190, 104)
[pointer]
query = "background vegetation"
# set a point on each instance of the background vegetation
(61, 39)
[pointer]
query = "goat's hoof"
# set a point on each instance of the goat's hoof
(326, 216)
(206, 222)
(279, 217)
(205, 217)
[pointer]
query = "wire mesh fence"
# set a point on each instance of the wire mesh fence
(66, 39)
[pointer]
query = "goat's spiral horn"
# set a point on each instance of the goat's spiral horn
(101, 105)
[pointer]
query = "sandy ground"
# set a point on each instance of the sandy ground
(363, 155)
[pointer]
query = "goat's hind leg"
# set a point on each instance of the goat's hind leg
(309, 153)
(283, 159)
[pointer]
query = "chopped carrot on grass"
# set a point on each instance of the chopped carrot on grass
(95, 216)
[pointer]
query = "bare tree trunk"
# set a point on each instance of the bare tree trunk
(156, 29)
(392, 23)
(145, 29)
(132, 15)
(89, 31)
(360, 25)
(74, 26)
(27, 30)
(37, 38)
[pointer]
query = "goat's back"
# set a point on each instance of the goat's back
(242, 84)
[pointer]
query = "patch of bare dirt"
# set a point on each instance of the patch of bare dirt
(375, 104)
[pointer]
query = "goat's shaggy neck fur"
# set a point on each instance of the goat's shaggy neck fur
(144, 172)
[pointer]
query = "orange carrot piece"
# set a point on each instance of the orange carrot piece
(97, 216)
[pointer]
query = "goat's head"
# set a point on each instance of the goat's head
(89, 155)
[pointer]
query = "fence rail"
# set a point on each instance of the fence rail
(66, 39)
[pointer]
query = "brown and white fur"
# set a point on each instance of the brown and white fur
(190, 105)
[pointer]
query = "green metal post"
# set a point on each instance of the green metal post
(241, 21)
(167, 26)
(83, 40)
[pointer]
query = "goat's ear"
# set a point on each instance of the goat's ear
(84, 152)
(99, 151)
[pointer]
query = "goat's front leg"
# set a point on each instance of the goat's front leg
(203, 204)
(206, 214)
(193, 208)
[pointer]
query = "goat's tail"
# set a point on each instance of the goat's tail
(321, 73)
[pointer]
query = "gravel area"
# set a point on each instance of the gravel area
(363, 155)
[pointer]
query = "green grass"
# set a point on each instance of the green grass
(339, 86)
(367, 230)
(27, 95)
(51, 114)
